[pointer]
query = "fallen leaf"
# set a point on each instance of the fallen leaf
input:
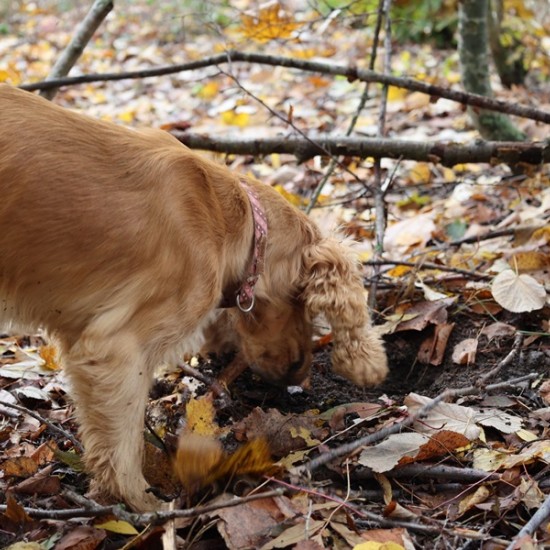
(432, 349)
(481, 494)
(118, 526)
(498, 330)
(518, 293)
(448, 416)
(464, 353)
(82, 537)
(200, 415)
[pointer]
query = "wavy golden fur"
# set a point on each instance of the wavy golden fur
(120, 244)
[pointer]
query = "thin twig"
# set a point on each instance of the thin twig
(379, 190)
(431, 265)
(45, 421)
(362, 102)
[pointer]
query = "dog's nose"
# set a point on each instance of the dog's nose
(295, 374)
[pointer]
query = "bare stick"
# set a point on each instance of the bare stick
(445, 153)
(81, 37)
(90, 508)
(539, 517)
(379, 189)
(349, 71)
(45, 421)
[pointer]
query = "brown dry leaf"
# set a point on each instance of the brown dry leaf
(15, 513)
(21, 466)
(270, 23)
(45, 453)
(531, 260)
(498, 330)
(336, 415)
(426, 313)
(285, 432)
(464, 353)
(432, 349)
(42, 483)
(440, 444)
(82, 538)
(246, 525)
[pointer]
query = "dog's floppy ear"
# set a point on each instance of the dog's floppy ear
(332, 285)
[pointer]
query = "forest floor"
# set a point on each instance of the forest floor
(467, 472)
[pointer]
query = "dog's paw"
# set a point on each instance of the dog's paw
(361, 360)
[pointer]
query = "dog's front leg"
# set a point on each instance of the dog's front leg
(110, 382)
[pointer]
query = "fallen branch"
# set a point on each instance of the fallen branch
(349, 71)
(81, 37)
(425, 471)
(445, 153)
(90, 508)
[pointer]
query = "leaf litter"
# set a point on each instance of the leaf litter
(450, 314)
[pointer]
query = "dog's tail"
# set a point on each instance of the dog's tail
(333, 286)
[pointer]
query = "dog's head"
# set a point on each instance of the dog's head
(275, 337)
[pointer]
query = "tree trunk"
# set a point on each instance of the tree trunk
(473, 53)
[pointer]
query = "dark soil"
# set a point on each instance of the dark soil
(407, 374)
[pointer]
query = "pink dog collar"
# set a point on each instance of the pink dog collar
(244, 296)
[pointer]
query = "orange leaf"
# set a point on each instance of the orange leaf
(269, 24)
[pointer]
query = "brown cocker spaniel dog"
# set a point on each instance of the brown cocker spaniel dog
(123, 244)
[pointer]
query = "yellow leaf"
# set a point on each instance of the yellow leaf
(200, 416)
(127, 116)
(200, 460)
(396, 94)
(118, 526)
(49, 354)
(399, 271)
(421, 173)
(481, 494)
(293, 199)
(232, 118)
(10, 75)
(209, 91)
(304, 434)
(270, 23)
